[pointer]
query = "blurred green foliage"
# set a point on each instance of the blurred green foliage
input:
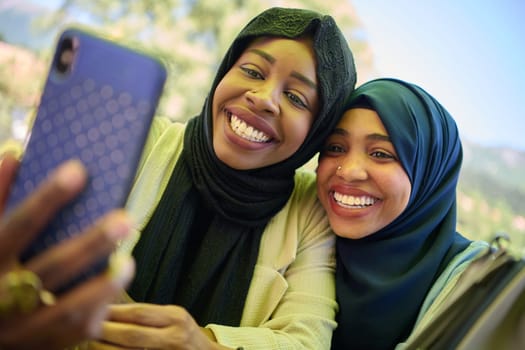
(189, 36)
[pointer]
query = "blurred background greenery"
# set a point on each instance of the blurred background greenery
(191, 36)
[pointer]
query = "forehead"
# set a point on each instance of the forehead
(362, 119)
(289, 56)
(298, 50)
(263, 40)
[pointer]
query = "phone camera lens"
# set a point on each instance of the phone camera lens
(65, 55)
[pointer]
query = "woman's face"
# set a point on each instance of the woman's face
(371, 188)
(265, 105)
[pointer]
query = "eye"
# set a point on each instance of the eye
(333, 149)
(252, 72)
(382, 155)
(296, 100)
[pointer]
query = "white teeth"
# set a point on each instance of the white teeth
(246, 131)
(353, 201)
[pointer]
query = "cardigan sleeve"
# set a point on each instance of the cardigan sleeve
(291, 302)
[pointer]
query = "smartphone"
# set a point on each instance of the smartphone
(97, 105)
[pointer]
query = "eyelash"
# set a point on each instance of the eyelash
(294, 98)
(382, 155)
(334, 149)
(330, 148)
(252, 73)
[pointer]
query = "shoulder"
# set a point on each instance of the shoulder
(302, 222)
(461, 261)
(303, 206)
(305, 186)
(161, 126)
(455, 268)
(444, 289)
(447, 281)
(163, 147)
(164, 134)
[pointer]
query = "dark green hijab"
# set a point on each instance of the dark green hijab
(201, 245)
(382, 279)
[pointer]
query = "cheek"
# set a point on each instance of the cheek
(226, 88)
(402, 187)
(296, 131)
(218, 95)
(323, 171)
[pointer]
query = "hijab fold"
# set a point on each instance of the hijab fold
(201, 244)
(382, 279)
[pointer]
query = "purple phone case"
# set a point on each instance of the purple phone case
(99, 113)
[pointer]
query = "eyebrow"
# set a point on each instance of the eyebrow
(295, 74)
(375, 136)
(264, 55)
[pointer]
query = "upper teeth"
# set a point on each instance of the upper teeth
(246, 131)
(353, 201)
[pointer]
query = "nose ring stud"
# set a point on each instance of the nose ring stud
(339, 168)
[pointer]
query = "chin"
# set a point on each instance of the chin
(232, 159)
(345, 230)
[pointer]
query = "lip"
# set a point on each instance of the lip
(349, 212)
(243, 143)
(254, 120)
(351, 191)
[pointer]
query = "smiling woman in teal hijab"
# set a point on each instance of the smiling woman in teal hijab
(387, 177)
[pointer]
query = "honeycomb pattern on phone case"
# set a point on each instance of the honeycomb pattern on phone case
(97, 125)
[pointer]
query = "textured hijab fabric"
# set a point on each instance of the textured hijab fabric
(200, 247)
(383, 279)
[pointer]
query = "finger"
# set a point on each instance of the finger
(148, 314)
(75, 255)
(95, 345)
(127, 334)
(27, 219)
(8, 167)
(148, 326)
(76, 316)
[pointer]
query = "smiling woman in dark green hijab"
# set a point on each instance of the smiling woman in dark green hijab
(231, 235)
(387, 178)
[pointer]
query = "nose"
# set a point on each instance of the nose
(264, 98)
(352, 168)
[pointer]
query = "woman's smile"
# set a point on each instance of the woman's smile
(246, 131)
(353, 202)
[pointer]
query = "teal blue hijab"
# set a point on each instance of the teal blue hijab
(383, 279)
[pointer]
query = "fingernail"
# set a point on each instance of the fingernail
(121, 267)
(71, 174)
(117, 225)
(8, 154)
(12, 148)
